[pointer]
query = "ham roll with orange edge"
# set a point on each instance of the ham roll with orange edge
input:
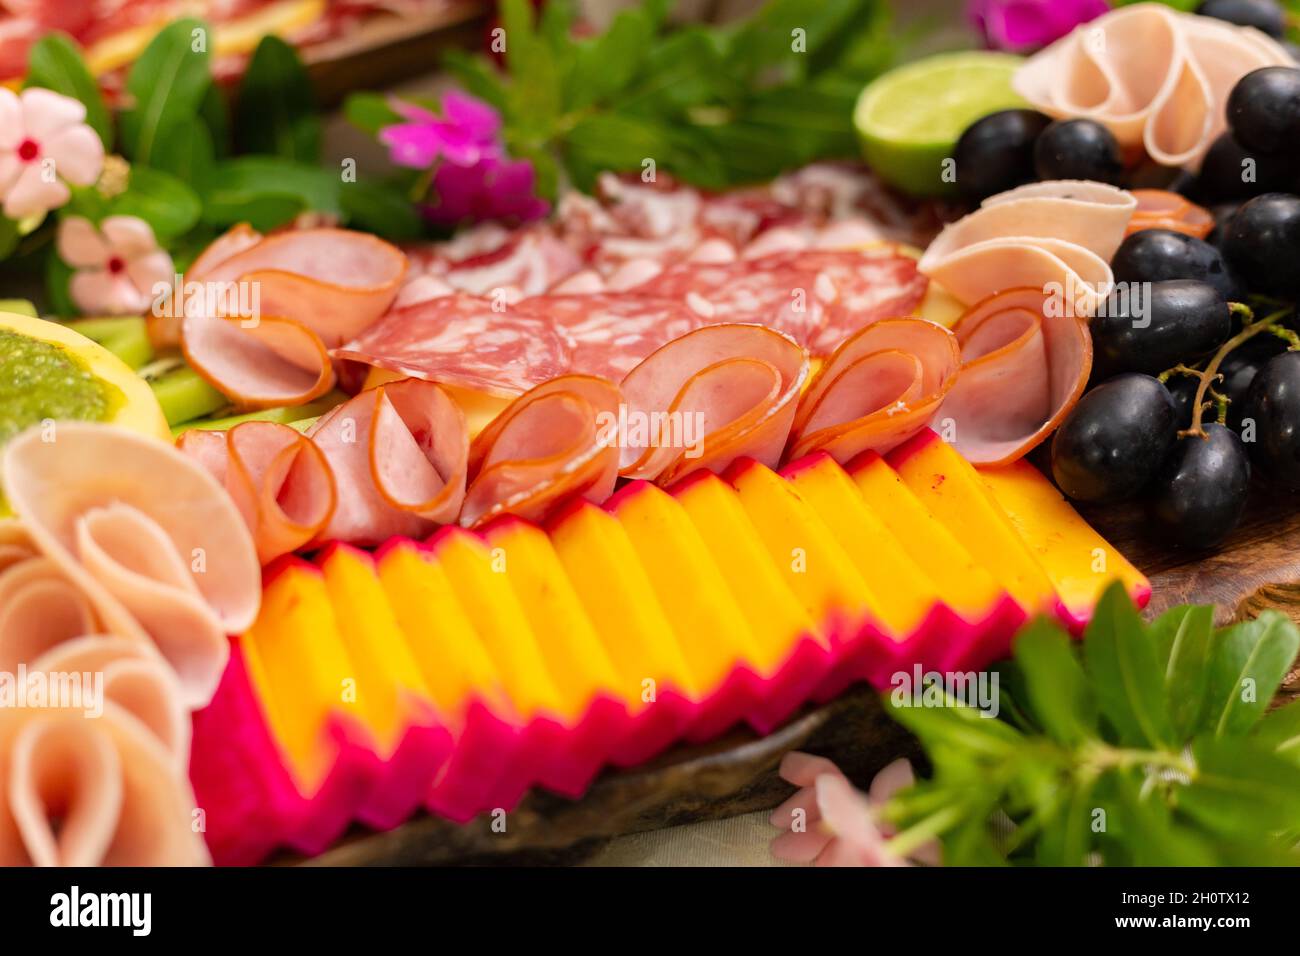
(276, 476)
(554, 442)
(1023, 368)
(107, 789)
(308, 291)
(881, 387)
(398, 454)
(713, 395)
(149, 537)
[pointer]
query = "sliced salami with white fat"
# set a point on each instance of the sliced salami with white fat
(465, 341)
(611, 333)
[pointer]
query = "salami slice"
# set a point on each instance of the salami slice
(770, 292)
(867, 287)
(461, 340)
(611, 333)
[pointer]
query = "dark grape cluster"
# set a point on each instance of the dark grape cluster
(1012, 147)
(1172, 342)
(1196, 369)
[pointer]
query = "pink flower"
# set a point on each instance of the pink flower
(1021, 25)
(492, 189)
(44, 145)
(117, 265)
(832, 824)
(464, 134)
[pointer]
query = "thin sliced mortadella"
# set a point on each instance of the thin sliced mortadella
(398, 454)
(553, 443)
(76, 791)
(147, 535)
(275, 362)
(311, 289)
(1072, 272)
(1157, 78)
(879, 389)
(276, 476)
(1059, 234)
(716, 394)
(1023, 369)
(136, 679)
(40, 608)
(1088, 214)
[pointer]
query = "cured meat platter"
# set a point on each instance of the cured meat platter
(616, 459)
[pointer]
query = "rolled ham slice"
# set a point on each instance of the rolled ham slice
(1056, 235)
(315, 289)
(40, 607)
(277, 477)
(398, 454)
(1157, 78)
(1024, 366)
(553, 443)
(152, 541)
(77, 791)
(710, 397)
(1160, 209)
(880, 388)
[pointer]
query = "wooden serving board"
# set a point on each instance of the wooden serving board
(1258, 568)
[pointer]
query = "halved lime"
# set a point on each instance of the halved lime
(910, 118)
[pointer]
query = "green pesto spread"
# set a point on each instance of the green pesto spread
(41, 380)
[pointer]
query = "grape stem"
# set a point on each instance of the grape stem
(1210, 373)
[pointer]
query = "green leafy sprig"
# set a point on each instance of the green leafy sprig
(1149, 745)
(717, 106)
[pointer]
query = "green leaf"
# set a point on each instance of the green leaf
(1279, 731)
(167, 85)
(9, 237)
(55, 63)
(188, 153)
(605, 65)
(1248, 662)
(534, 96)
(1125, 673)
(170, 206)
(1057, 687)
(370, 112)
(956, 728)
(277, 107)
(1140, 829)
(268, 191)
(1241, 790)
(1067, 833)
(382, 209)
(215, 113)
(1183, 636)
(57, 275)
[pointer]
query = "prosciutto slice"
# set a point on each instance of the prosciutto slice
(146, 535)
(553, 443)
(398, 454)
(1056, 235)
(314, 289)
(77, 791)
(1157, 78)
(1024, 366)
(710, 397)
(880, 388)
(277, 477)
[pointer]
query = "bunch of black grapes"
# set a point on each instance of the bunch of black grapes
(1128, 436)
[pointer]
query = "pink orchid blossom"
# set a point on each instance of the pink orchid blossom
(44, 145)
(1022, 25)
(464, 134)
(493, 189)
(117, 265)
(830, 823)
(473, 179)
